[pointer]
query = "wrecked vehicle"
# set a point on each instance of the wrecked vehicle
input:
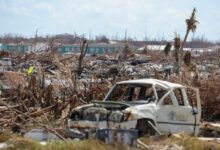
(146, 105)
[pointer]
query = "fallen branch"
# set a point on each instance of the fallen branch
(42, 111)
(39, 123)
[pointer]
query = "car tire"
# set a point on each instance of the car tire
(144, 128)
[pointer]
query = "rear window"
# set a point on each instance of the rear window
(179, 97)
(191, 94)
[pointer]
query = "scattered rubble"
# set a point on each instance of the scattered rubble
(46, 96)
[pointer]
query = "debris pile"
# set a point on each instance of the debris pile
(40, 89)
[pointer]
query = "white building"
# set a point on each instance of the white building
(36, 47)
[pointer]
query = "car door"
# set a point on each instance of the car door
(174, 114)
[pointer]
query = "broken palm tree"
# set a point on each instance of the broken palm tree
(145, 50)
(83, 50)
(191, 24)
(177, 45)
(126, 52)
(167, 49)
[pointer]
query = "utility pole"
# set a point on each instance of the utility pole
(90, 34)
(218, 57)
(36, 39)
(125, 35)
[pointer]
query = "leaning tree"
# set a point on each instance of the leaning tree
(191, 24)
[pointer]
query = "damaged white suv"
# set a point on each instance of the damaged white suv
(144, 104)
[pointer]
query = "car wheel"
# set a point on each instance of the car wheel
(144, 128)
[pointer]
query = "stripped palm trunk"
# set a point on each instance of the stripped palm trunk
(83, 51)
(191, 24)
(177, 45)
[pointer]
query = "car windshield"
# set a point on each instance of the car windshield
(132, 93)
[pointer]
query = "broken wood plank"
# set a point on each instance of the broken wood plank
(42, 111)
(211, 126)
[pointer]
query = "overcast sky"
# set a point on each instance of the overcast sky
(151, 18)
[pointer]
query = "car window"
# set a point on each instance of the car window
(132, 92)
(118, 93)
(191, 94)
(146, 93)
(167, 100)
(136, 93)
(160, 92)
(179, 97)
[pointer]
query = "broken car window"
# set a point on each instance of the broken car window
(118, 92)
(167, 101)
(160, 92)
(132, 92)
(179, 97)
(191, 97)
(149, 95)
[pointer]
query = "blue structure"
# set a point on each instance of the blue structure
(22, 48)
(101, 49)
(92, 48)
(69, 48)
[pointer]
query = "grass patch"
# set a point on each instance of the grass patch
(83, 145)
(191, 143)
(5, 136)
(20, 143)
(187, 142)
(184, 141)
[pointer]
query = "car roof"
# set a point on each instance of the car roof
(162, 83)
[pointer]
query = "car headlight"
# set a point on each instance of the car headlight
(128, 116)
(75, 115)
(116, 116)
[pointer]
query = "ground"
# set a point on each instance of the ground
(174, 142)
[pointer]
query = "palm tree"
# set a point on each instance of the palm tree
(191, 24)
(83, 51)
(126, 51)
(145, 51)
(187, 58)
(177, 46)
